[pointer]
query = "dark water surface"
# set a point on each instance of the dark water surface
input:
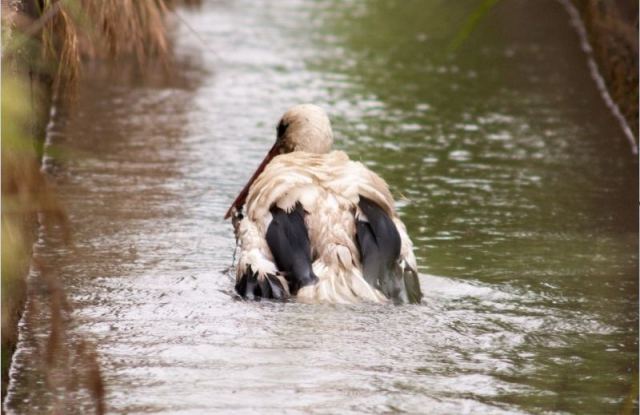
(517, 187)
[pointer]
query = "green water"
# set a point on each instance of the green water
(513, 171)
(517, 186)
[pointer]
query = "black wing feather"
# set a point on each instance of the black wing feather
(379, 244)
(288, 240)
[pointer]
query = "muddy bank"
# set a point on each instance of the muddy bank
(612, 27)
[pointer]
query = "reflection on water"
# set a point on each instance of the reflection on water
(516, 185)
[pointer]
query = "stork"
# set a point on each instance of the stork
(319, 226)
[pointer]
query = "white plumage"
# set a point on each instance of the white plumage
(328, 186)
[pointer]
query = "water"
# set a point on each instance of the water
(516, 184)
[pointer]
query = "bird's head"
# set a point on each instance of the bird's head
(305, 127)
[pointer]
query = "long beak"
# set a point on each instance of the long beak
(242, 197)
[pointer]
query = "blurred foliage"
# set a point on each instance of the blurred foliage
(25, 193)
(472, 21)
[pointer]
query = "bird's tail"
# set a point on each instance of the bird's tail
(339, 285)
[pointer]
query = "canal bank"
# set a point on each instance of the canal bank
(612, 28)
(46, 46)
